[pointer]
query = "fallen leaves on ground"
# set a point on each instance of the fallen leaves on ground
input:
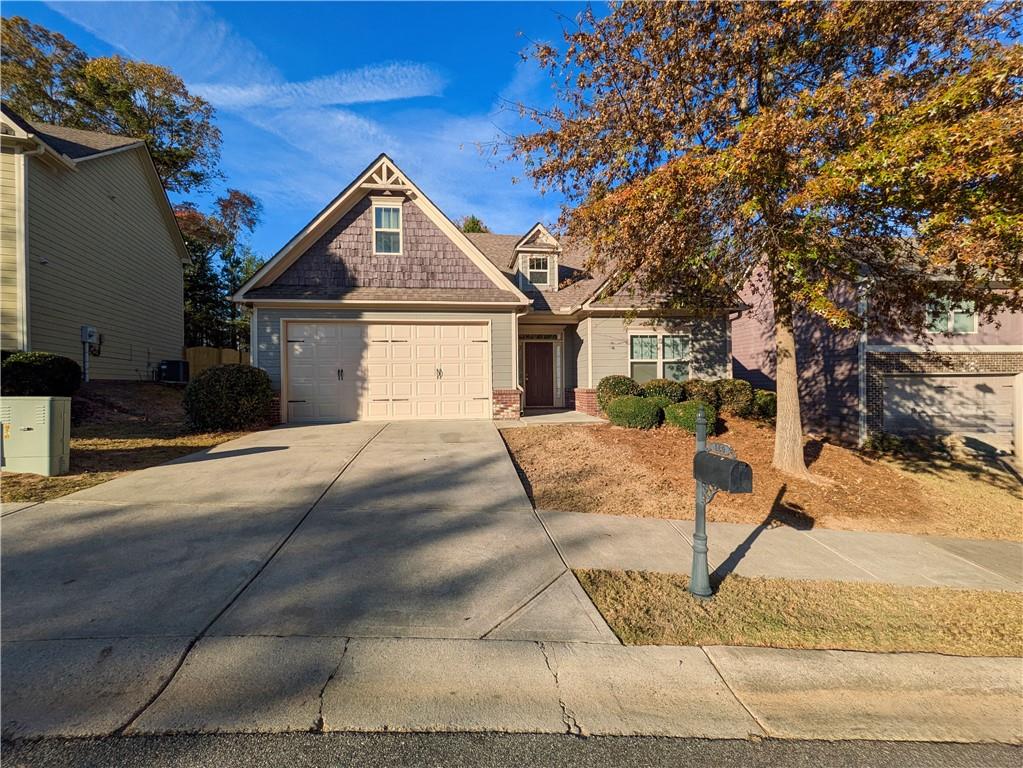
(648, 473)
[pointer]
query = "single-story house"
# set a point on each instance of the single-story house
(965, 377)
(381, 308)
(87, 238)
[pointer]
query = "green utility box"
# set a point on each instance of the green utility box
(36, 434)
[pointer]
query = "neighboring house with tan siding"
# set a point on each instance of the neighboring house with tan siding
(381, 308)
(88, 238)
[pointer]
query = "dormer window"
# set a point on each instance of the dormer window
(386, 227)
(539, 270)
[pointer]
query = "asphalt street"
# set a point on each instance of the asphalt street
(372, 750)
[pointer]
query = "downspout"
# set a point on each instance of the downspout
(861, 368)
(254, 338)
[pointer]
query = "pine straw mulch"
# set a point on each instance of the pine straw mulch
(618, 471)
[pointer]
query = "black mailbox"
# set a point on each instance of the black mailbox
(725, 474)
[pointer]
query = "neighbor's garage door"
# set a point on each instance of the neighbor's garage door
(345, 371)
(968, 404)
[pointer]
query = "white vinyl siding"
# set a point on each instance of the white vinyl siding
(100, 254)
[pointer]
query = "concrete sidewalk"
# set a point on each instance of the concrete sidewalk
(273, 684)
(649, 544)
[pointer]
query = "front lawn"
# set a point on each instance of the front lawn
(117, 427)
(648, 473)
(646, 608)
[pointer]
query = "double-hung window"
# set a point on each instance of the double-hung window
(944, 317)
(659, 356)
(539, 270)
(387, 229)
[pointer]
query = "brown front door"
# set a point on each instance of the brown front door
(539, 374)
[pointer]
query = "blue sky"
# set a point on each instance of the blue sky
(307, 94)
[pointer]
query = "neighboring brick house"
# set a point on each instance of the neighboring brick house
(965, 377)
(381, 308)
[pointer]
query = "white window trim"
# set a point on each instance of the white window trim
(388, 202)
(950, 324)
(546, 270)
(525, 254)
(661, 360)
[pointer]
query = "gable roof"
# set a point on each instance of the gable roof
(382, 175)
(576, 284)
(70, 146)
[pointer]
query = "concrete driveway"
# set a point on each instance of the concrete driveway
(351, 530)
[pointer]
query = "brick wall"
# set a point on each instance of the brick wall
(880, 364)
(507, 403)
(583, 400)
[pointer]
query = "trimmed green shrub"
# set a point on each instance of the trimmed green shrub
(673, 390)
(610, 387)
(698, 389)
(735, 396)
(660, 401)
(41, 374)
(684, 415)
(765, 404)
(634, 411)
(229, 397)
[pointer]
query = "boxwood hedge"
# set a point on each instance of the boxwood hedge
(634, 411)
(229, 397)
(610, 387)
(40, 374)
(683, 415)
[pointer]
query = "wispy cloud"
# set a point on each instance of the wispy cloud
(295, 144)
(376, 83)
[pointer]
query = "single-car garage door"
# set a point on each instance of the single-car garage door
(343, 371)
(968, 404)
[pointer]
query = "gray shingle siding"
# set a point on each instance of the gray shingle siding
(343, 257)
(269, 327)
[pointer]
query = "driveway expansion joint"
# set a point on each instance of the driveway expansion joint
(764, 732)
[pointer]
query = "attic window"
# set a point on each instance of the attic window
(539, 270)
(386, 229)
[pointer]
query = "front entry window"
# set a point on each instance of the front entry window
(659, 356)
(643, 358)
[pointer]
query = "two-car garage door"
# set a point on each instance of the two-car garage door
(342, 371)
(977, 404)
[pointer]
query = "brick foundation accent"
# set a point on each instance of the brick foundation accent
(881, 364)
(583, 400)
(507, 403)
(275, 409)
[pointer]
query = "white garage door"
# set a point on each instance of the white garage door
(347, 371)
(967, 404)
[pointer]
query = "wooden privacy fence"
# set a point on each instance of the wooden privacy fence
(201, 358)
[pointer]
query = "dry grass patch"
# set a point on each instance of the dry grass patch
(119, 427)
(646, 608)
(617, 471)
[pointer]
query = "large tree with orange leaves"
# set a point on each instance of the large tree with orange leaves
(828, 146)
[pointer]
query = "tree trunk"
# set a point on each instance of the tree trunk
(788, 431)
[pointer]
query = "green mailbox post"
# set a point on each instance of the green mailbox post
(715, 468)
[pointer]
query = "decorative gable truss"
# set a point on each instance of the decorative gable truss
(536, 259)
(381, 182)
